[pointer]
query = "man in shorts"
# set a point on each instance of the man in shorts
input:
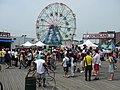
(96, 64)
(40, 66)
(65, 67)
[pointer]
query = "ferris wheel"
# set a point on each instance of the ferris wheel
(55, 23)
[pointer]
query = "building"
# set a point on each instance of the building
(114, 36)
(5, 40)
(8, 41)
(110, 35)
(118, 38)
(104, 37)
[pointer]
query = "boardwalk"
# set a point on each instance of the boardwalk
(14, 79)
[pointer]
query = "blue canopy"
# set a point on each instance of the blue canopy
(5, 40)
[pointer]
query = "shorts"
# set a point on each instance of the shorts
(96, 67)
(82, 63)
(40, 76)
(65, 69)
(111, 68)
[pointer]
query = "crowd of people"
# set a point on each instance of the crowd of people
(71, 58)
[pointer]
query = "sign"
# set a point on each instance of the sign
(4, 34)
(97, 36)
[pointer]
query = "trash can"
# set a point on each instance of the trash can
(30, 82)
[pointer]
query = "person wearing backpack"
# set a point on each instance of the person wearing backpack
(65, 66)
(88, 65)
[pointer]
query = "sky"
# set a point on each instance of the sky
(92, 16)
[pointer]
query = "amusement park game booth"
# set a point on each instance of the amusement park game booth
(5, 40)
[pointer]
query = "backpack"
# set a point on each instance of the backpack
(68, 63)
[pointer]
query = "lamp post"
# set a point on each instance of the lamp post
(71, 39)
(24, 36)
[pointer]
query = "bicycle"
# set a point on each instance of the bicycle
(50, 83)
(1, 86)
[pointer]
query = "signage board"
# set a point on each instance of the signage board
(98, 36)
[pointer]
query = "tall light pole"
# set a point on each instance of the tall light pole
(24, 36)
(71, 39)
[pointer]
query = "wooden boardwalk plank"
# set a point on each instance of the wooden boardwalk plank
(14, 79)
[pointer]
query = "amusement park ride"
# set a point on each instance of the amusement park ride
(55, 23)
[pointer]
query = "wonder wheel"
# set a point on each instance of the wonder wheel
(55, 23)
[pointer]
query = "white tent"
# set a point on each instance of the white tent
(40, 44)
(88, 43)
(27, 44)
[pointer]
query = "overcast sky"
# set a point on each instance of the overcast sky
(19, 16)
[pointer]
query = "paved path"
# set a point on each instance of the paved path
(14, 79)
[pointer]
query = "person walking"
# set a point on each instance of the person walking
(88, 65)
(65, 66)
(7, 59)
(111, 67)
(41, 68)
(96, 64)
(72, 65)
(16, 57)
(21, 59)
(83, 54)
(29, 57)
(2, 56)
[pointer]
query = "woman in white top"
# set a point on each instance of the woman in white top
(96, 64)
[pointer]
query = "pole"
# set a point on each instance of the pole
(24, 36)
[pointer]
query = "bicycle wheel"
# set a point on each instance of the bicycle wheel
(50, 83)
(40, 81)
(31, 73)
(51, 72)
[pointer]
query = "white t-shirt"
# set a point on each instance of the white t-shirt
(16, 54)
(65, 61)
(97, 58)
(30, 56)
(40, 67)
(12, 52)
(72, 61)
